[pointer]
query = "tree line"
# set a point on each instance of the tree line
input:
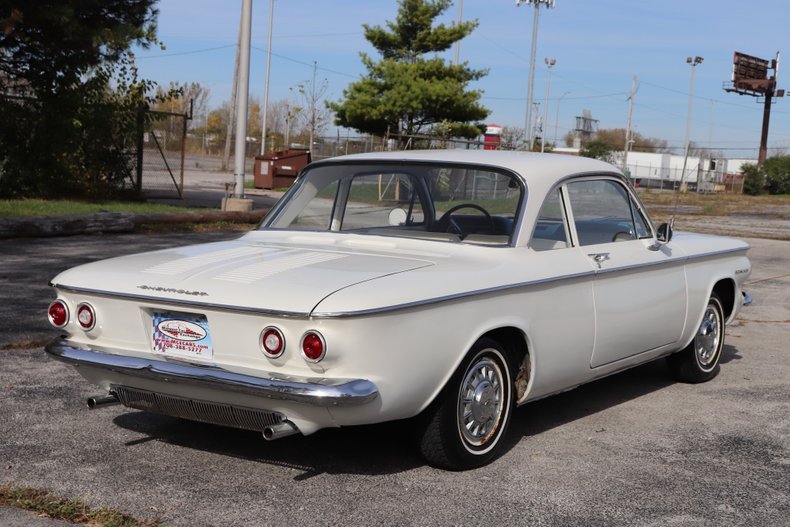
(72, 99)
(73, 103)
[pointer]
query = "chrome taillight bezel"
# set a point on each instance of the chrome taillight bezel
(262, 345)
(323, 346)
(82, 306)
(68, 313)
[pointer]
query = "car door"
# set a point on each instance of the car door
(639, 286)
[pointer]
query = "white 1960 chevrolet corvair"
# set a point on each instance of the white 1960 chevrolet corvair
(450, 285)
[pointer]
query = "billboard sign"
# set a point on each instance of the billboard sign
(751, 73)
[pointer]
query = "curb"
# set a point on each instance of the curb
(112, 222)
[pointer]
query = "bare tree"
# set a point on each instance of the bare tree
(314, 116)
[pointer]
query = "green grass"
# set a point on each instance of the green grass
(41, 207)
(71, 510)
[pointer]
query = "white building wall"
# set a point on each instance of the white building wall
(735, 166)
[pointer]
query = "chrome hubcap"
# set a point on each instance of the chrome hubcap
(706, 343)
(480, 402)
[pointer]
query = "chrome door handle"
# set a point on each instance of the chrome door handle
(599, 258)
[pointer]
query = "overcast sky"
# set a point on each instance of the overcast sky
(598, 45)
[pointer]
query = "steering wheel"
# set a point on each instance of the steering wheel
(447, 224)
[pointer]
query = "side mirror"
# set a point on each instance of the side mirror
(664, 233)
(397, 217)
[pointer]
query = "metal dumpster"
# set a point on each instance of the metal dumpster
(279, 169)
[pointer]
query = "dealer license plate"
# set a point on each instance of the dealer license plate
(184, 335)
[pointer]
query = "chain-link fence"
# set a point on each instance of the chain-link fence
(161, 153)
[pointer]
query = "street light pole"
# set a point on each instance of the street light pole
(549, 64)
(694, 62)
(530, 84)
(557, 117)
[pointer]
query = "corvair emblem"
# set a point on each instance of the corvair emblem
(171, 290)
(181, 330)
(742, 271)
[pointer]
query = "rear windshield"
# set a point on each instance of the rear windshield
(430, 201)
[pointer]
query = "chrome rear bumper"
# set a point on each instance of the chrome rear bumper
(315, 392)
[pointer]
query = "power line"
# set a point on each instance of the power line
(308, 64)
(617, 94)
(710, 99)
(192, 52)
(208, 50)
(320, 35)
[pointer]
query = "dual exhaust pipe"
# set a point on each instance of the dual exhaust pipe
(282, 429)
(98, 401)
(270, 433)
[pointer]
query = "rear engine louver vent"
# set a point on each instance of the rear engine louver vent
(204, 411)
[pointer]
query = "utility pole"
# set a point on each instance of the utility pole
(243, 95)
(232, 109)
(312, 107)
(557, 116)
(628, 141)
(266, 80)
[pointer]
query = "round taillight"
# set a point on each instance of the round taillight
(86, 316)
(313, 346)
(272, 342)
(58, 314)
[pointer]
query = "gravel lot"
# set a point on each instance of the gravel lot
(633, 449)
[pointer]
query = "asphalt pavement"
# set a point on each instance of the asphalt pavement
(632, 449)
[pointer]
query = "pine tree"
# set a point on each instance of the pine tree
(408, 92)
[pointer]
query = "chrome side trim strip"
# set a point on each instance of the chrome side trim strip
(395, 307)
(446, 298)
(717, 253)
(456, 296)
(642, 265)
(316, 392)
(184, 303)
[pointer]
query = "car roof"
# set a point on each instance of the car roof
(536, 169)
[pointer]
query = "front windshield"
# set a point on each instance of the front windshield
(431, 201)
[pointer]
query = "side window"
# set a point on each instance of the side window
(374, 198)
(601, 211)
(317, 213)
(642, 229)
(550, 232)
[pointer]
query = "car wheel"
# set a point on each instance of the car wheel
(699, 361)
(466, 424)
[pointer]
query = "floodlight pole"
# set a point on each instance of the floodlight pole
(694, 63)
(243, 94)
(528, 121)
(549, 64)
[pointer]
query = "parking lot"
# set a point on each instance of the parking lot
(632, 449)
